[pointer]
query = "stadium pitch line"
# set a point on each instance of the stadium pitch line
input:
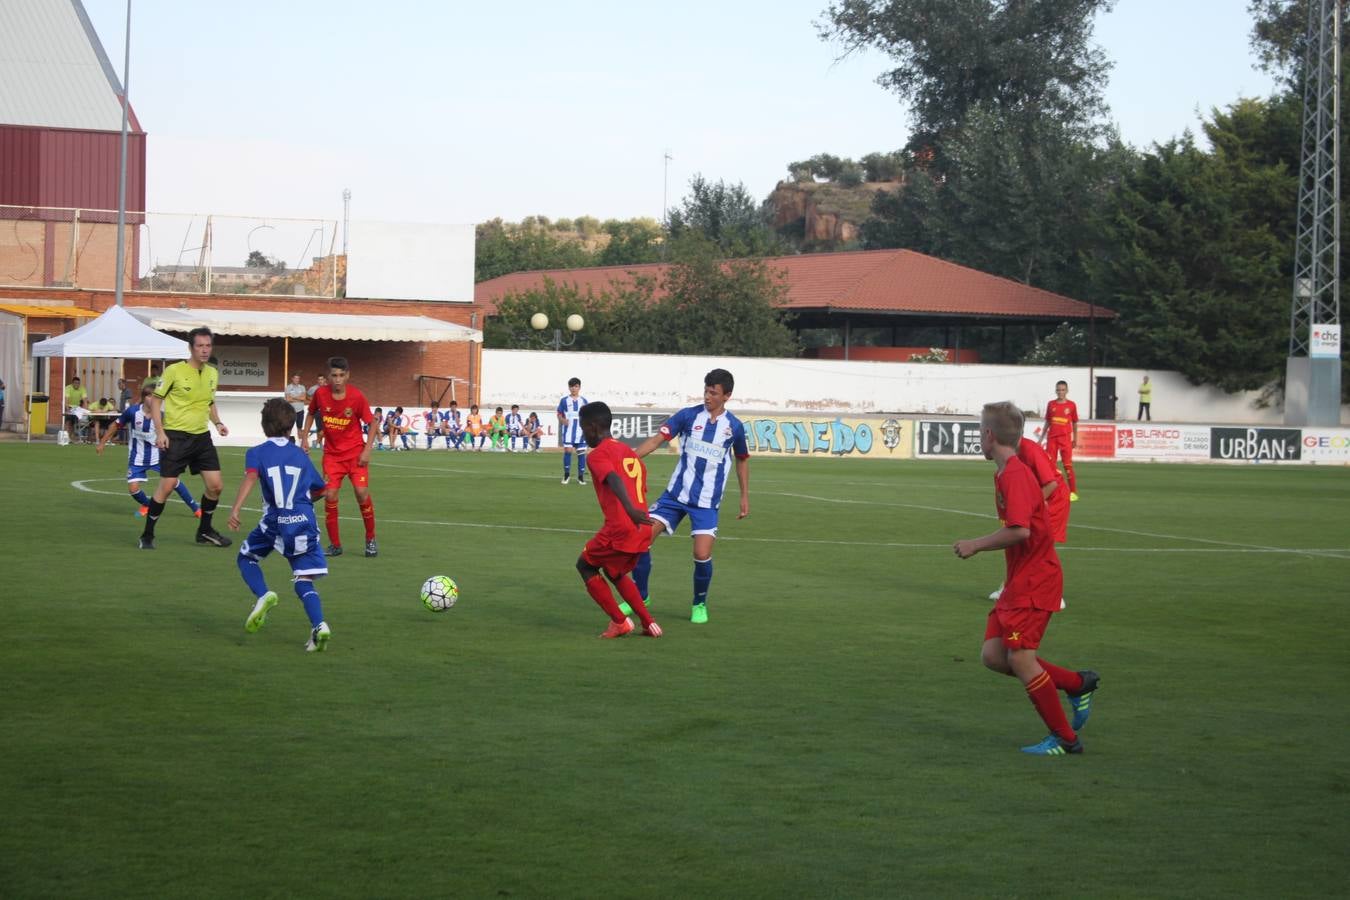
(1331, 553)
(1328, 553)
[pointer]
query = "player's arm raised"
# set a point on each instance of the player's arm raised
(245, 487)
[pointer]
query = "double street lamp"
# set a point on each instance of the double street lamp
(574, 323)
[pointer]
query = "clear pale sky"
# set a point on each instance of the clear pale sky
(435, 114)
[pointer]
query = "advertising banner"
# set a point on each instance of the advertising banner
(1325, 342)
(1095, 441)
(948, 438)
(634, 428)
(1255, 444)
(1162, 442)
(1326, 445)
(869, 438)
(242, 366)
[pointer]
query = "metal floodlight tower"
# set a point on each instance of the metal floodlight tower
(1313, 372)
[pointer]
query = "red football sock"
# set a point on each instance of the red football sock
(330, 521)
(368, 516)
(628, 590)
(1045, 698)
(1064, 679)
(1073, 482)
(599, 590)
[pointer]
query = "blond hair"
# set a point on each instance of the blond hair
(1004, 420)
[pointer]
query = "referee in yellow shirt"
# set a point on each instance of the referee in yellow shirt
(182, 402)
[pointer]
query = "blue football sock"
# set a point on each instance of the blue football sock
(253, 576)
(567, 463)
(310, 597)
(642, 573)
(702, 579)
(141, 498)
(181, 490)
(581, 465)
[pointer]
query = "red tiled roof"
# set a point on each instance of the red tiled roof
(885, 281)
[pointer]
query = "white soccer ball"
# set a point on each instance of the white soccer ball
(439, 593)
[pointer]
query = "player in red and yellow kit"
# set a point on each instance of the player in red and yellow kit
(621, 487)
(1053, 489)
(338, 410)
(1061, 432)
(1033, 585)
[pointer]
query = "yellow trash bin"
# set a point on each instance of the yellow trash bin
(37, 414)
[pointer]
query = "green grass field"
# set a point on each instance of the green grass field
(831, 732)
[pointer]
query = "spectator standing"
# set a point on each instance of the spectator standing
(2, 400)
(124, 398)
(1145, 401)
(297, 395)
(156, 376)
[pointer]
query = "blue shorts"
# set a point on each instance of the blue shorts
(303, 551)
(671, 512)
(137, 473)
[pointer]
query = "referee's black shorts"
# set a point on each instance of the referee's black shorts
(188, 452)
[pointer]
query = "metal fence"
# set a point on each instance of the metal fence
(170, 252)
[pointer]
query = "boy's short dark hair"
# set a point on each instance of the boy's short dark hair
(1058, 383)
(515, 406)
(597, 411)
(278, 417)
(574, 382)
(721, 377)
(499, 409)
(454, 403)
(147, 391)
(339, 362)
(203, 331)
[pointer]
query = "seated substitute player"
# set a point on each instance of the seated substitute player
(497, 430)
(515, 427)
(1032, 587)
(534, 432)
(1053, 489)
(621, 487)
(1061, 433)
(454, 426)
(435, 424)
(473, 424)
(709, 437)
(142, 454)
(290, 483)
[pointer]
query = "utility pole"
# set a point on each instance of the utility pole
(1312, 386)
(665, 201)
(346, 216)
(121, 265)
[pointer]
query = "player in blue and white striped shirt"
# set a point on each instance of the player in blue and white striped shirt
(142, 454)
(709, 437)
(569, 430)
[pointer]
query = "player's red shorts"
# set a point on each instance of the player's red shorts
(1021, 628)
(1061, 444)
(334, 470)
(601, 552)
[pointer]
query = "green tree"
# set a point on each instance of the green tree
(727, 216)
(1015, 58)
(720, 307)
(1197, 253)
(502, 248)
(631, 242)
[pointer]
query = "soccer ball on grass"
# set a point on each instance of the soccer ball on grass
(439, 593)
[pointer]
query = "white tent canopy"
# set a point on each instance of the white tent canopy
(114, 335)
(328, 326)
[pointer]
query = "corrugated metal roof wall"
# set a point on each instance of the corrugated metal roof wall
(47, 167)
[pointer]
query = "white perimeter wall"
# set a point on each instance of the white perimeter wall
(536, 379)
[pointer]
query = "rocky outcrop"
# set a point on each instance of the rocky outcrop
(823, 213)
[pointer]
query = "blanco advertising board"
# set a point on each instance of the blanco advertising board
(1162, 442)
